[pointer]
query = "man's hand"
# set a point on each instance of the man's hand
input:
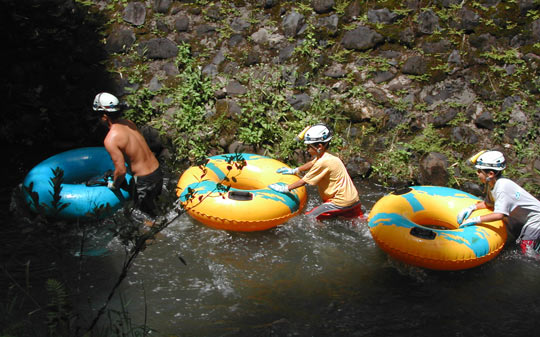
(286, 170)
(471, 222)
(465, 213)
(279, 187)
(110, 185)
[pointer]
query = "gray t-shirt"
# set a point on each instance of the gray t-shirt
(519, 207)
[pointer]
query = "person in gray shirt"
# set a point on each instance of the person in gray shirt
(509, 202)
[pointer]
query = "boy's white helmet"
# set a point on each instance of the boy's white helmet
(106, 102)
(491, 160)
(317, 134)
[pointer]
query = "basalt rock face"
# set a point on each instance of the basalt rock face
(469, 72)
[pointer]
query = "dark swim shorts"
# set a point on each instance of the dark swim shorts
(148, 188)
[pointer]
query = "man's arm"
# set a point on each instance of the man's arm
(306, 166)
(296, 184)
(118, 160)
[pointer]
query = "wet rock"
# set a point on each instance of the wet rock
(228, 107)
(260, 36)
(469, 20)
(439, 47)
(483, 42)
(293, 23)
(240, 25)
(415, 65)
(379, 96)
(352, 11)
(428, 22)
(485, 121)
(358, 167)
(463, 134)
(535, 30)
(286, 53)
(218, 58)
(329, 24)
(135, 13)
(240, 147)
(536, 164)
(454, 57)
(205, 29)
(162, 26)
(383, 76)
(152, 137)
(234, 88)
(181, 23)
(120, 40)
(448, 3)
(526, 5)
(158, 48)
(155, 84)
(323, 6)
(472, 188)
(253, 58)
(162, 6)
(336, 70)
(300, 102)
(383, 15)
(444, 117)
(266, 4)
(393, 118)
(406, 36)
(433, 170)
(236, 40)
(210, 70)
(361, 38)
(170, 69)
(490, 3)
(231, 68)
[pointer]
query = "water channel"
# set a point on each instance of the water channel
(308, 279)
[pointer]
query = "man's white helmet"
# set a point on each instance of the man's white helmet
(106, 102)
(317, 134)
(491, 160)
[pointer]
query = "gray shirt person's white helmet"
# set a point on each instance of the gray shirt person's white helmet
(491, 160)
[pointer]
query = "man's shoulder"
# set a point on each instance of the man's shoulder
(117, 135)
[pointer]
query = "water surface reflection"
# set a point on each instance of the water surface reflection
(308, 279)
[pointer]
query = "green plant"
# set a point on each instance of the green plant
(56, 205)
(58, 313)
(393, 164)
(341, 6)
(190, 98)
(264, 108)
(309, 48)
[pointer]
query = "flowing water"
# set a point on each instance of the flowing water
(304, 279)
(312, 279)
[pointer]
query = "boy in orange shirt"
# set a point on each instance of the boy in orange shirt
(327, 172)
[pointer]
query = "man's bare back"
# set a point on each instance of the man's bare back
(126, 144)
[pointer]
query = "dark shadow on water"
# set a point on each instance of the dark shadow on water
(52, 70)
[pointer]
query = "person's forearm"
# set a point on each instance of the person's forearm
(296, 184)
(119, 176)
(306, 167)
(481, 205)
(491, 217)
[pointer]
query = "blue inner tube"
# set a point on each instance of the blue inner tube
(79, 166)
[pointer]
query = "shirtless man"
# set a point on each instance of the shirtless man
(125, 143)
